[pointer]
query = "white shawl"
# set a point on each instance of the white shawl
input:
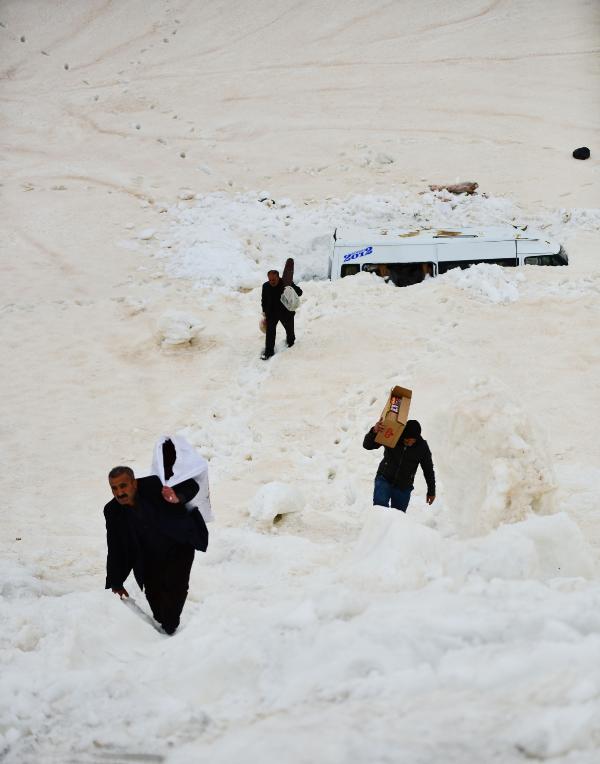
(188, 464)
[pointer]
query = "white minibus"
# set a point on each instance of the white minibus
(407, 257)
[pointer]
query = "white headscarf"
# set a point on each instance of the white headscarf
(188, 465)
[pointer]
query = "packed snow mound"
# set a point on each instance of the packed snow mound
(492, 461)
(539, 548)
(177, 328)
(273, 501)
(396, 552)
(393, 551)
(546, 734)
(21, 581)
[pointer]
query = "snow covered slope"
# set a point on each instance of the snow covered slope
(158, 158)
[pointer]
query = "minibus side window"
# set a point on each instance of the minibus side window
(381, 269)
(545, 260)
(505, 262)
(400, 274)
(446, 265)
(350, 270)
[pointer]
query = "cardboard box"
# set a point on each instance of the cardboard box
(394, 416)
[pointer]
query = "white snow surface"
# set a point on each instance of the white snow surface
(159, 156)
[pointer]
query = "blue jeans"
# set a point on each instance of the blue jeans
(386, 492)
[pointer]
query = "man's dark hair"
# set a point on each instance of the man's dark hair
(116, 471)
(272, 271)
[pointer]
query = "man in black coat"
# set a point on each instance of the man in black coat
(150, 530)
(396, 472)
(275, 311)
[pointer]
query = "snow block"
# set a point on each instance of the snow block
(272, 502)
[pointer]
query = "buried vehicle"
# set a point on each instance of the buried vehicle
(406, 257)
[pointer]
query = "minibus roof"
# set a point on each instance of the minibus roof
(351, 237)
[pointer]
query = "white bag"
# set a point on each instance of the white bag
(188, 464)
(290, 299)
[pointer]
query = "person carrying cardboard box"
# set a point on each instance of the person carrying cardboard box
(396, 472)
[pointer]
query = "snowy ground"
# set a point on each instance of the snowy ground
(318, 628)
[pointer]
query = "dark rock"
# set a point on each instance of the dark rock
(582, 153)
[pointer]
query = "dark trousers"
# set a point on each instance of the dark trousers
(166, 586)
(386, 493)
(287, 319)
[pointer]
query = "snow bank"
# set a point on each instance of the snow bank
(551, 732)
(492, 460)
(395, 552)
(489, 283)
(539, 548)
(326, 641)
(231, 240)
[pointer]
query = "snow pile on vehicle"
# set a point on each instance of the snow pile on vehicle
(489, 283)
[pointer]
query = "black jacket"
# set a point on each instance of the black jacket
(150, 532)
(271, 298)
(399, 464)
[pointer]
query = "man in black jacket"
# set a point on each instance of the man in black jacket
(150, 530)
(275, 311)
(396, 472)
